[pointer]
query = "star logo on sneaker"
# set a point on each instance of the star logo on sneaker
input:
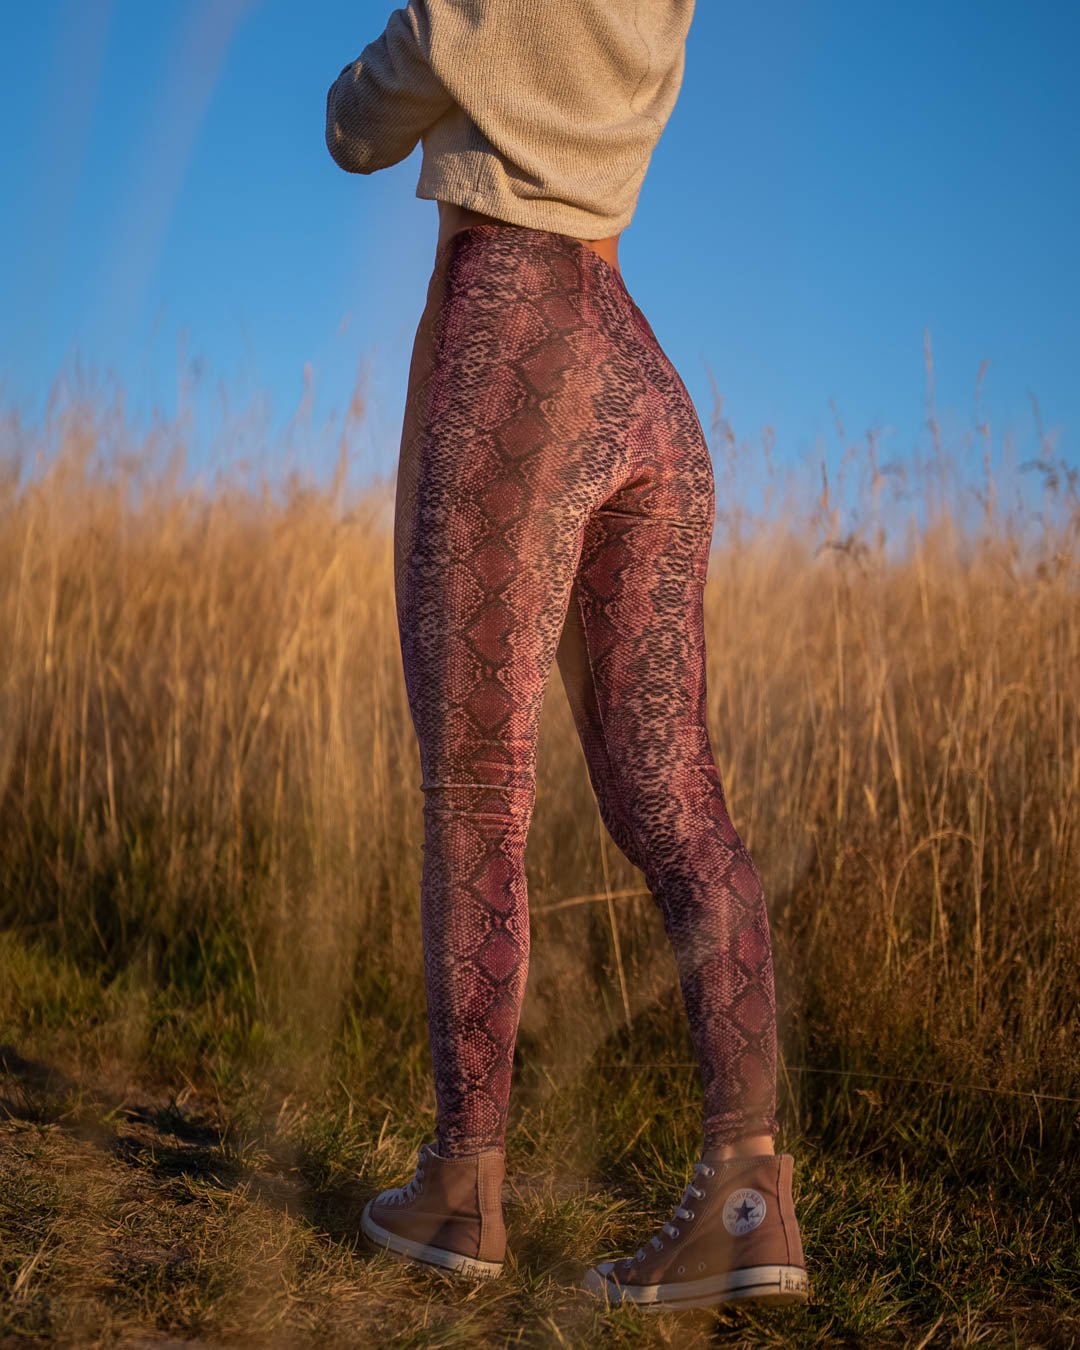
(744, 1209)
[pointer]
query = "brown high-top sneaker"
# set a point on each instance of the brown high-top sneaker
(449, 1214)
(733, 1236)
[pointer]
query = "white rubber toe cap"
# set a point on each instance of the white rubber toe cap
(596, 1282)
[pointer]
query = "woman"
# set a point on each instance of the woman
(555, 501)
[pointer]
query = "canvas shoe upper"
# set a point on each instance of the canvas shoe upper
(449, 1214)
(733, 1235)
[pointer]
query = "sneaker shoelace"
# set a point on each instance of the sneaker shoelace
(681, 1212)
(403, 1193)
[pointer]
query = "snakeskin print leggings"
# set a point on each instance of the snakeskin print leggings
(555, 501)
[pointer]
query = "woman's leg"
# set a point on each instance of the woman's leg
(517, 420)
(632, 658)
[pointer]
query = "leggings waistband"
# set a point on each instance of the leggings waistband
(505, 241)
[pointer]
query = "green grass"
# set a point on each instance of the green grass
(200, 1194)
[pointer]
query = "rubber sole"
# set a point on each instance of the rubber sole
(466, 1266)
(777, 1285)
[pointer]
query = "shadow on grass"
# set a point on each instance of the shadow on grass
(165, 1140)
(171, 1141)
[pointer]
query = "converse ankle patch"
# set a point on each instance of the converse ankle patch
(743, 1210)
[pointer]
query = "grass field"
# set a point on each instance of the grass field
(212, 1017)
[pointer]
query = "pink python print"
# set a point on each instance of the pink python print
(555, 500)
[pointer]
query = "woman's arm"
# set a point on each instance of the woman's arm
(380, 104)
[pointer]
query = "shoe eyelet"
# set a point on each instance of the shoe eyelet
(676, 1233)
(690, 1215)
(682, 1270)
(701, 1265)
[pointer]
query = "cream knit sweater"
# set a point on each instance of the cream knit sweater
(540, 112)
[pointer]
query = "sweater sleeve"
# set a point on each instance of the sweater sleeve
(381, 103)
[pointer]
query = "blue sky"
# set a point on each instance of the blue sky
(836, 180)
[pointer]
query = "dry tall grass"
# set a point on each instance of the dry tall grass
(210, 816)
(208, 773)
